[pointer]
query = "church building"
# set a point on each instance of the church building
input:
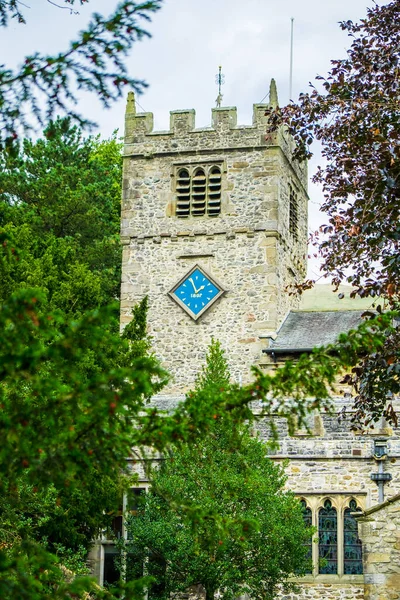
(214, 229)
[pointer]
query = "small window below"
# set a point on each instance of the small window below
(115, 563)
(198, 192)
(111, 567)
(134, 501)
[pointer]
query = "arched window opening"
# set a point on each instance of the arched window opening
(214, 192)
(352, 544)
(307, 518)
(183, 194)
(198, 204)
(327, 534)
(198, 192)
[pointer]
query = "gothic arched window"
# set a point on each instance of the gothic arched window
(214, 192)
(183, 194)
(352, 550)
(327, 534)
(198, 197)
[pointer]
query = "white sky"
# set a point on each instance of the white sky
(190, 38)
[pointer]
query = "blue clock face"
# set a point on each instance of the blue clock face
(196, 292)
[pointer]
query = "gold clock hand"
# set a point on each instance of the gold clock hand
(194, 287)
(200, 288)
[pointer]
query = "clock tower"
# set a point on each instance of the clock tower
(214, 227)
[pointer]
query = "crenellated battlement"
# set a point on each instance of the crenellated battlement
(183, 122)
(223, 136)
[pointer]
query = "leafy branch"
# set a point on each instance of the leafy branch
(94, 63)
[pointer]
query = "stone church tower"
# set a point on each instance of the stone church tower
(214, 227)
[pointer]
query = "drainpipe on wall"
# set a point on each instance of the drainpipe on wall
(380, 455)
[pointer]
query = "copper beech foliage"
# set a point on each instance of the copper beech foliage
(354, 113)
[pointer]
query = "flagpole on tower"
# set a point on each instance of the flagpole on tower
(291, 60)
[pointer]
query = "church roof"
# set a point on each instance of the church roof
(304, 330)
(377, 507)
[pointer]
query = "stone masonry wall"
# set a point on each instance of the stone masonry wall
(237, 319)
(380, 533)
(327, 591)
(333, 459)
(332, 462)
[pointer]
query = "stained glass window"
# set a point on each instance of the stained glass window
(352, 544)
(327, 534)
(307, 517)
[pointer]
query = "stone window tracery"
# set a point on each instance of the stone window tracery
(336, 548)
(198, 191)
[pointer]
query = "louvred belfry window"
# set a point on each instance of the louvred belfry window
(214, 192)
(198, 192)
(183, 194)
(198, 197)
(293, 213)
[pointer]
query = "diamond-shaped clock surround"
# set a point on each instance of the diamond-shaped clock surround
(186, 280)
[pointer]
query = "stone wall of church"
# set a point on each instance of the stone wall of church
(380, 532)
(327, 591)
(251, 251)
(330, 458)
(237, 319)
(330, 462)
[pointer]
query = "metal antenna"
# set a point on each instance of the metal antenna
(291, 60)
(220, 80)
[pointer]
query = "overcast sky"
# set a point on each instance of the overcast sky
(190, 39)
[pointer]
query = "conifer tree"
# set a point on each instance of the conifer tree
(215, 371)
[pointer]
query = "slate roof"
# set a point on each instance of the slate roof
(303, 330)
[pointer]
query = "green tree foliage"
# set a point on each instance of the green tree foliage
(73, 404)
(71, 410)
(93, 62)
(60, 200)
(215, 371)
(353, 113)
(136, 331)
(217, 515)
